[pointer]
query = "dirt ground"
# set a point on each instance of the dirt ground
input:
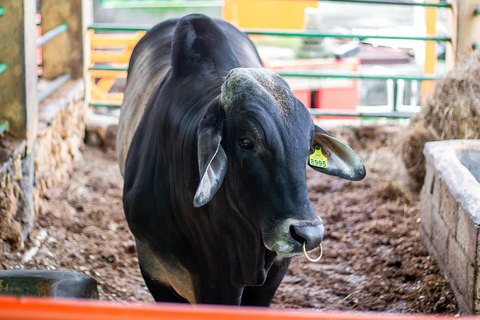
(373, 258)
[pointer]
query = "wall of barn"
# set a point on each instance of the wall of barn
(11, 230)
(25, 178)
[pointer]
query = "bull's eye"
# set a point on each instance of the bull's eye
(245, 144)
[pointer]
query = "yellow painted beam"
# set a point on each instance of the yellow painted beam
(122, 57)
(429, 68)
(265, 14)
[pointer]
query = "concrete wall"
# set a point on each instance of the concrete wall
(450, 218)
(11, 229)
(24, 178)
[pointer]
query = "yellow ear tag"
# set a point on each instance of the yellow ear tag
(317, 159)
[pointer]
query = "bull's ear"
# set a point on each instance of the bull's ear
(212, 160)
(331, 156)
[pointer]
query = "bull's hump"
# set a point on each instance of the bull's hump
(242, 81)
(200, 46)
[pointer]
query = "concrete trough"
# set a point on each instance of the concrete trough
(450, 215)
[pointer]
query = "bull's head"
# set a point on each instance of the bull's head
(263, 136)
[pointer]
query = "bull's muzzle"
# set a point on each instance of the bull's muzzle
(293, 236)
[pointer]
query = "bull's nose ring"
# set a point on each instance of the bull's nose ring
(308, 257)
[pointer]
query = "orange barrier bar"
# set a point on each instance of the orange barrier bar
(108, 73)
(110, 49)
(115, 40)
(12, 308)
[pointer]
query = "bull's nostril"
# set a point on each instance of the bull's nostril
(296, 236)
(312, 235)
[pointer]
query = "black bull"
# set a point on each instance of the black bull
(213, 149)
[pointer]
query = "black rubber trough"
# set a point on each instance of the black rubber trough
(42, 283)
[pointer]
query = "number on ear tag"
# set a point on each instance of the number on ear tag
(317, 159)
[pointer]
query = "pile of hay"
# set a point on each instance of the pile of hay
(452, 111)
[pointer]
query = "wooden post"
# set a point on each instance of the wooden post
(464, 29)
(18, 84)
(65, 53)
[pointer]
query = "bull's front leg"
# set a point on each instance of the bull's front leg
(166, 279)
(160, 291)
(220, 293)
(263, 295)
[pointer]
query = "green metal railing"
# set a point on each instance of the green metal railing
(316, 75)
(334, 113)
(3, 127)
(118, 27)
(282, 33)
(357, 76)
(106, 68)
(161, 4)
(63, 78)
(316, 112)
(3, 67)
(309, 34)
(304, 34)
(110, 105)
(53, 86)
(50, 35)
(396, 3)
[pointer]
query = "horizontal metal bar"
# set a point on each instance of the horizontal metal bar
(476, 46)
(334, 113)
(53, 86)
(162, 4)
(2, 11)
(356, 76)
(319, 75)
(397, 3)
(477, 11)
(118, 27)
(3, 127)
(313, 112)
(3, 68)
(284, 33)
(50, 35)
(105, 105)
(305, 34)
(109, 68)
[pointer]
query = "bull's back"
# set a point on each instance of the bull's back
(149, 65)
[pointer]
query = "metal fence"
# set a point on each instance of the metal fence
(55, 84)
(308, 34)
(23, 44)
(3, 68)
(51, 87)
